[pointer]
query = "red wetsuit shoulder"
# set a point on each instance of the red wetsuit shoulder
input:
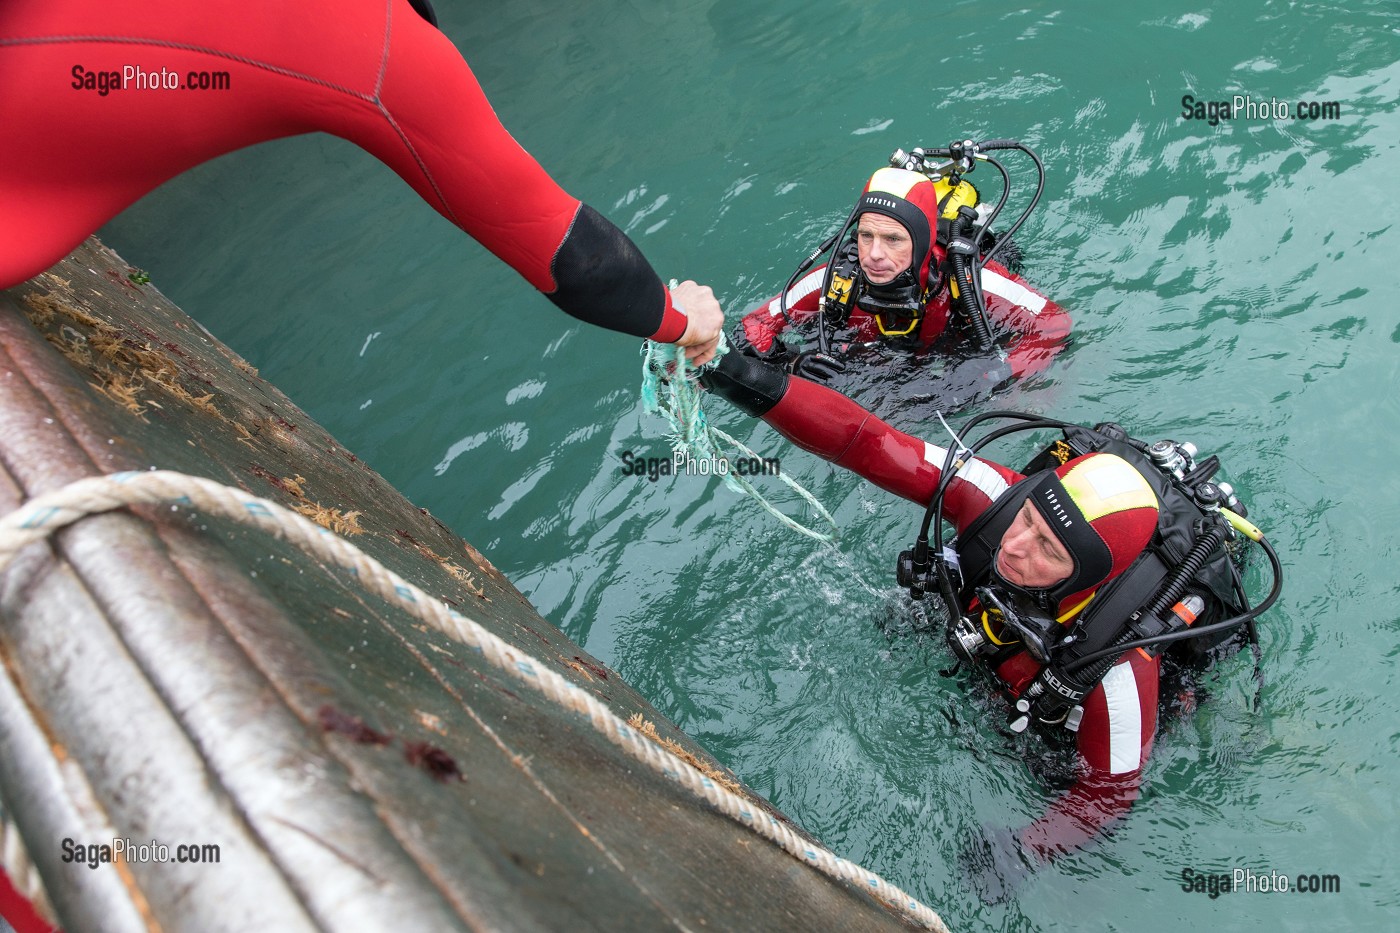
(374, 73)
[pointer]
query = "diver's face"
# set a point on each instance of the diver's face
(886, 248)
(1030, 554)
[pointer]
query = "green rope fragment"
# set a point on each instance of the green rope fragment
(670, 388)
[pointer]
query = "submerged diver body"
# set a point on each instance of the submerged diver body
(892, 285)
(109, 97)
(1055, 572)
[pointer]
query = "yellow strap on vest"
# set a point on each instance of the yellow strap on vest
(1068, 614)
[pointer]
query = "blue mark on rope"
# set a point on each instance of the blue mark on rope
(257, 508)
(183, 500)
(40, 518)
(404, 592)
(874, 882)
(811, 855)
(705, 782)
(625, 732)
(123, 477)
(746, 815)
(671, 774)
(526, 668)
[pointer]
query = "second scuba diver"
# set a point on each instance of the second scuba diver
(904, 278)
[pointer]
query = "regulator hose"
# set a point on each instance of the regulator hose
(961, 252)
(1171, 591)
(1185, 572)
(1243, 618)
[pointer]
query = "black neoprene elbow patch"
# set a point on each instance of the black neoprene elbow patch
(602, 278)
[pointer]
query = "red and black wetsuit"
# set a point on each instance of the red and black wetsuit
(1042, 325)
(373, 72)
(1120, 714)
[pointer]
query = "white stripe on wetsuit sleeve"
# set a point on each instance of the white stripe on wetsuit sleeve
(1124, 719)
(802, 289)
(987, 480)
(1012, 291)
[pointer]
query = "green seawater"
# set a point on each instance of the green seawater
(1232, 285)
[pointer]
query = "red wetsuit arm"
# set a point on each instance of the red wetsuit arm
(449, 144)
(1041, 326)
(1115, 738)
(372, 72)
(763, 324)
(835, 428)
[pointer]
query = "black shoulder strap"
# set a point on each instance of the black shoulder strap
(1101, 623)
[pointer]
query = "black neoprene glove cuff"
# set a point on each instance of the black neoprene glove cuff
(749, 384)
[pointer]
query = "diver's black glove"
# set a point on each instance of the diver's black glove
(815, 365)
(994, 864)
(749, 383)
(777, 352)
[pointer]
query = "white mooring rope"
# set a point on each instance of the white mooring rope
(42, 516)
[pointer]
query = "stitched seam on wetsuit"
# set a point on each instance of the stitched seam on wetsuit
(186, 47)
(394, 124)
(275, 69)
(854, 437)
(422, 166)
(554, 260)
(384, 52)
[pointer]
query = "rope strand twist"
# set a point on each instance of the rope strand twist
(669, 389)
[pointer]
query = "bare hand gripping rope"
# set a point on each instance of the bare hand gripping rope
(43, 516)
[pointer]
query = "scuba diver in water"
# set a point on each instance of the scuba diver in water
(1065, 580)
(114, 97)
(905, 269)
